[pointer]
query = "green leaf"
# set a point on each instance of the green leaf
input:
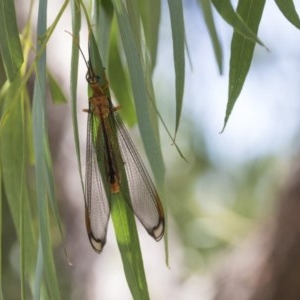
(2, 73)
(227, 12)
(13, 161)
(23, 211)
(242, 51)
(143, 95)
(102, 17)
(123, 218)
(287, 8)
(56, 92)
(96, 60)
(43, 42)
(1, 217)
(119, 82)
(76, 25)
(177, 24)
(38, 272)
(106, 38)
(41, 150)
(210, 24)
(10, 46)
(40, 136)
(128, 242)
(150, 12)
(134, 21)
(51, 189)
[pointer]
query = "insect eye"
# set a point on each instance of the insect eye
(91, 79)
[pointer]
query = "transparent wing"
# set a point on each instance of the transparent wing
(97, 206)
(145, 201)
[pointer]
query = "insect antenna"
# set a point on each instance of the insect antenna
(90, 75)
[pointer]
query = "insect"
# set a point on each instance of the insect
(111, 156)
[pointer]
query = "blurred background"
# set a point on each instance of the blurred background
(232, 208)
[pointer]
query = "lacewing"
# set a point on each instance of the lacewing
(111, 155)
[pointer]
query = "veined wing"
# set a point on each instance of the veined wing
(145, 201)
(96, 203)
